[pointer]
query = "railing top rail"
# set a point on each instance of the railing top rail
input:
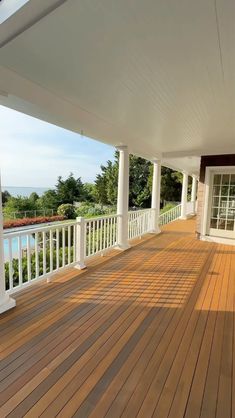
(36, 229)
(98, 218)
(54, 226)
(170, 210)
(140, 210)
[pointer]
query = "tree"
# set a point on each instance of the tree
(69, 190)
(49, 200)
(89, 192)
(140, 184)
(140, 192)
(106, 184)
(171, 185)
(5, 197)
(34, 197)
(19, 204)
(100, 189)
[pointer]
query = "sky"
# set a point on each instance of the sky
(34, 153)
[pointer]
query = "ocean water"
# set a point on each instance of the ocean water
(24, 191)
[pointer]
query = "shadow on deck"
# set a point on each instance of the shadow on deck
(148, 332)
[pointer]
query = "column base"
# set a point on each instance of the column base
(123, 247)
(155, 231)
(7, 303)
(80, 266)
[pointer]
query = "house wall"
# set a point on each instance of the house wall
(209, 161)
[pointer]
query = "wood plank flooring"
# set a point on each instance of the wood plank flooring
(144, 333)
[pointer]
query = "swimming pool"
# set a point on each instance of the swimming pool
(15, 247)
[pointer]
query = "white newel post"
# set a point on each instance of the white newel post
(123, 198)
(194, 193)
(184, 196)
(5, 301)
(80, 243)
(156, 189)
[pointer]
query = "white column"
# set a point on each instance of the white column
(194, 192)
(184, 196)
(156, 189)
(123, 198)
(5, 301)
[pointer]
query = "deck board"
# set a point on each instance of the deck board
(148, 333)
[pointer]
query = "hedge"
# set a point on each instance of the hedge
(32, 221)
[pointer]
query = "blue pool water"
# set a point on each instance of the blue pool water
(15, 246)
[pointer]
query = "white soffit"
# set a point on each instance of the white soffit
(156, 75)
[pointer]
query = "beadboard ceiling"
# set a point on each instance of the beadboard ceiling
(156, 75)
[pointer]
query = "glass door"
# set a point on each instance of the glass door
(222, 212)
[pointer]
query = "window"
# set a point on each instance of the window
(223, 202)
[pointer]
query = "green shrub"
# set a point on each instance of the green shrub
(67, 210)
(89, 210)
(168, 207)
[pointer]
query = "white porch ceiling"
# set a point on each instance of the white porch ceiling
(157, 75)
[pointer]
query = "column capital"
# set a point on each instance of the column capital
(156, 161)
(121, 147)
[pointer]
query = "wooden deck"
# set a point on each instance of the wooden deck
(147, 333)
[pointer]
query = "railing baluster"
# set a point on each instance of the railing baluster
(97, 236)
(101, 234)
(74, 242)
(93, 237)
(108, 233)
(63, 246)
(11, 284)
(36, 256)
(111, 232)
(51, 251)
(29, 257)
(44, 252)
(20, 261)
(69, 244)
(89, 239)
(57, 249)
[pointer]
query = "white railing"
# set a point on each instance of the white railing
(100, 234)
(170, 216)
(38, 252)
(190, 208)
(35, 253)
(140, 222)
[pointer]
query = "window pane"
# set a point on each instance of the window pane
(230, 225)
(221, 224)
(215, 201)
(232, 181)
(225, 179)
(216, 190)
(214, 212)
(230, 214)
(224, 190)
(213, 223)
(217, 179)
(223, 203)
(231, 203)
(232, 191)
